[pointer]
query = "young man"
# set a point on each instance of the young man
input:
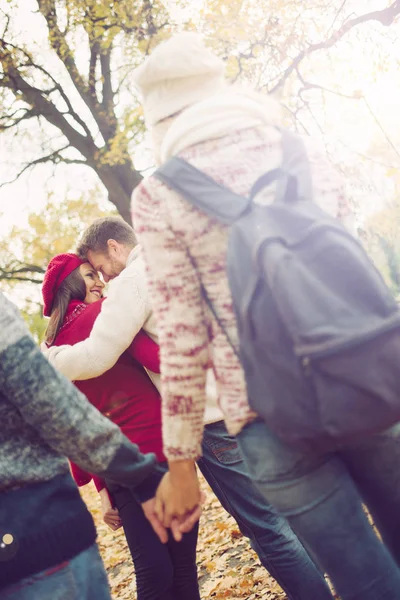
(47, 536)
(110, 245)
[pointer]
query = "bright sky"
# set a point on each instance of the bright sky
(347, 122)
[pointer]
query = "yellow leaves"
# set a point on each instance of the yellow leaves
(232, 67)
(55, 229)
(210, 566)
(392, 172)
(228, 568)
(117, 151)
(221, 526)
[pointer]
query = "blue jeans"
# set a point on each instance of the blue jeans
(82, 578)
(322, 497)
(278, 548)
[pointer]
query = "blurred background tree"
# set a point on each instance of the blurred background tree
(68, 108)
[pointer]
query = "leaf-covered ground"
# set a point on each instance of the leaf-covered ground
(227, 566)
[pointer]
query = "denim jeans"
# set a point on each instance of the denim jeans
(322, 496)
(278, 548)
(82, 578)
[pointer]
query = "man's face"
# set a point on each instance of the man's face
(111, 263)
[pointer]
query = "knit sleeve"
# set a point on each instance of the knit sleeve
(146, 351)
(176, 299)
(122, 315)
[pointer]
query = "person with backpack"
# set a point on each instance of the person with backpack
(251, 271)
(110, 244)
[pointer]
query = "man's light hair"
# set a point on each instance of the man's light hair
(96, 236)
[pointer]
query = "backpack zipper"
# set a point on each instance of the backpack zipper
(306, 365)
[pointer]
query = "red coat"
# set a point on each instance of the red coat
(124, 393)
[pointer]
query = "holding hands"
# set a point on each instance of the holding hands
(177, 503)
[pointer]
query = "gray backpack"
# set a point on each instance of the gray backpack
(319, 330)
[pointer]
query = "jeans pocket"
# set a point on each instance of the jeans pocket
(226, 452)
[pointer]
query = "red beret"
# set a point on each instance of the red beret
(57, 270)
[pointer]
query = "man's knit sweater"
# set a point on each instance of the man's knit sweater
(125, 311)
(43, 419)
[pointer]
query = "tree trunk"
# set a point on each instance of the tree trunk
(119, 181)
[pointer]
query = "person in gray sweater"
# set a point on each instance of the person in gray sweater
(47, 535)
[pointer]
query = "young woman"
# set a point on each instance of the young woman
(72, 293)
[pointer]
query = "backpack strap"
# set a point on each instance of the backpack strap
(293, 177)
(202, 191)
(293, 182)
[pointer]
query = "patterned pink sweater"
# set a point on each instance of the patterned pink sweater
(190, 340)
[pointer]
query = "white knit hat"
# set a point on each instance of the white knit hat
(177, 74)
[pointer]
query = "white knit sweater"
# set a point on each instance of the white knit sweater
(125, 311)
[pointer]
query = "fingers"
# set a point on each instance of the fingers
(112, 519)
(158, 528)
(114, 525)
(167, 520)
(175, 530)
(159, 508)
(190, 520)
(149, 509)
(181, 526)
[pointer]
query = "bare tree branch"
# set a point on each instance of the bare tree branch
(94, 54)
(389, 141)
(27, 114)
(54, 157)
(17, 271)
(337, 15)
(385, 17)
(34, 97)
(316, 86)
(108, 95)
(59, 44)
(57, 87)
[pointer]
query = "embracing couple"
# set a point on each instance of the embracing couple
(108, 347)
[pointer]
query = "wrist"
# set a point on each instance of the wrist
(181, 468)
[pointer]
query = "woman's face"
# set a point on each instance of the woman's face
(94, 285)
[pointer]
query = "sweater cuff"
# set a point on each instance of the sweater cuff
(147, 489)
(129, 467)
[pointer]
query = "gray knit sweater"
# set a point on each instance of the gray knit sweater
(44, 418)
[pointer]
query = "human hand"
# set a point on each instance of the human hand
(150, 514)
(178, 494)
(110, 514)
(112, 518)
(178, 527)
(51, 352)
(44, 348)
